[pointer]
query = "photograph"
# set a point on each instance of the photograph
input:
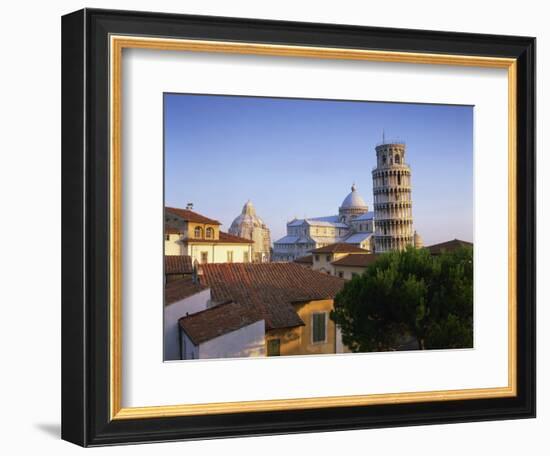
(316, 226)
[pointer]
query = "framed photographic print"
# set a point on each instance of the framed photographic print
(278, 227)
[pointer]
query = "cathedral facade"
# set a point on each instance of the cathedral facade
(388, 227)
(249, 226)
(354, 224)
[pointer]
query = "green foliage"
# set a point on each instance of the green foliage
(409, 294)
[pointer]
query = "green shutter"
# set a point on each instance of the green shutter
(319, 327)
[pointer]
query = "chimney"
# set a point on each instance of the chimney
(189, 206)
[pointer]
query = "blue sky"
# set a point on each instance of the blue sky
(299, 158)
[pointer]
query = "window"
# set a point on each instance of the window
(319, 327)
(384, 159)
(397, 158)
(230, 256)
(274, 347)
(245, 257)
(354, 274)
(398, 179)
(209, 233)
(167, 237)
(198, 232)
(316, 257)
(204, 257)
(341, 274)
(328, 257)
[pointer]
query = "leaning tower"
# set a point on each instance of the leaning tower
(391, 182)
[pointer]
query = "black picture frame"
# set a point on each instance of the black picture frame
(85, 228)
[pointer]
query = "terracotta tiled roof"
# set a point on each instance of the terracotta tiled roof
(181, 289)
(339, 247)
(172, 230)
(230, 238)
(360, 260)
(217, 321)
(270, 288)
(178, 264)
(190, 216)
(308, 259)
(449, 246)
(225, 238)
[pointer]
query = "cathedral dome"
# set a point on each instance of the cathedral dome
(353, 200)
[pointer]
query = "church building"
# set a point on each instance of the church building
(389, 227)
(354, 224)
(249, 226)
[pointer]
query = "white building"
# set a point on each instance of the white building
(222, 331)
(195, 328)
(354, 225)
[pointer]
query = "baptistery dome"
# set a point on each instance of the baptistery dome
(249, 226)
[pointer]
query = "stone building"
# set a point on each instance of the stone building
(249, 226)
(353, 224)
(389, 227)
(391, 182)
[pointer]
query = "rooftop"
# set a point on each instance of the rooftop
(357, 238)
(327, 220)
(217, 321)
(190, 216)
(308, 259)
(448, 246)
(361, 260)
(178, 264)
(366, 216)
(339, 247)
(270, 288)
(172, 230)
(224, 238)
(181, 289)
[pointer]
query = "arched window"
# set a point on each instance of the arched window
(198, 232)
(384, 159)
(397, 158)
(398, 176)
(209, 233)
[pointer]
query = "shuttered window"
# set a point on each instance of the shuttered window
(319, 327)
(274, 347)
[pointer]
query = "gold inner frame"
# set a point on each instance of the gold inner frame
(117, 44)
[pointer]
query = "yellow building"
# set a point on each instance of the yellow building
(323, 257)
(192, 234)
(295, 303)
(350, 266)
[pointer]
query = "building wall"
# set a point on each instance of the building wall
(217, 253)
(298, 341)
(362, 226)
(188, 349)
(173, 245)
(348, 271)
(245, 342)
(173, 312)
(322, 261)
(203, 226)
